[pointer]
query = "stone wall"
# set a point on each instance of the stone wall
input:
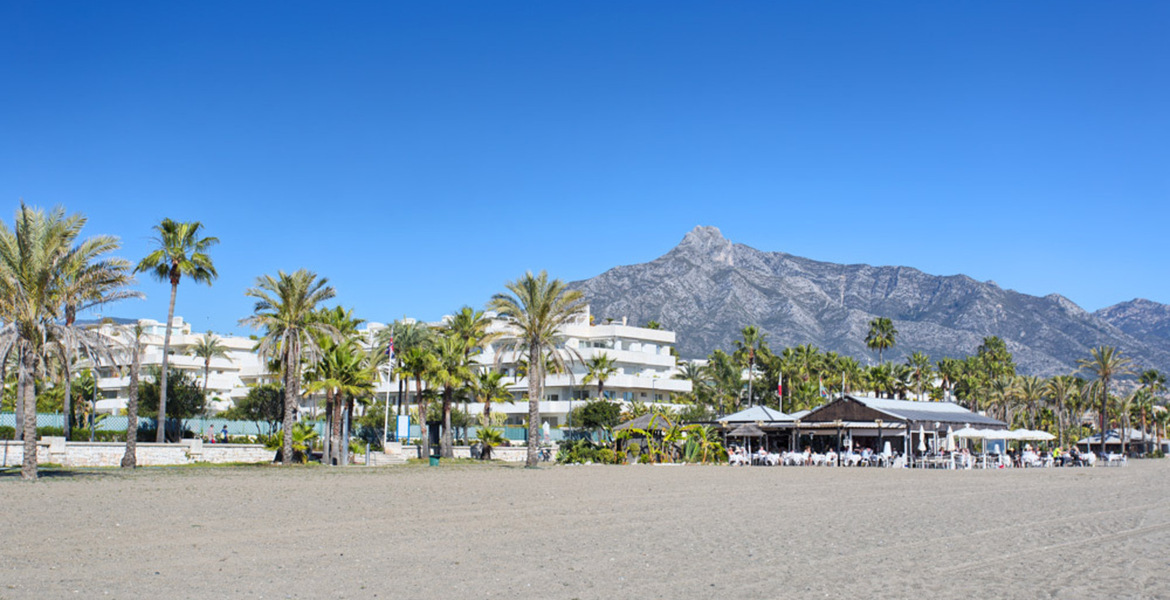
(56, 450)
(503, 453)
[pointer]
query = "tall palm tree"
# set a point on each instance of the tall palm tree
(1107, 364)
(850, 373)
(286, 309)
(417, 364)
(1031, 391)
(726, 380)
(179, 250)
(130, 457)
(207, 348)
(88, 279)
(400, 336)
(752, 339)
(920, 371)
(1059, 390)
(882, 335)
(472, 328)
(1153, 383)
(340, 363)
(537, 309)
(31, 256)
(451, 369)
(948, 370)
(344, 373)
(600, 368)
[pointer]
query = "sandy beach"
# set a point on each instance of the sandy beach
(472, 531)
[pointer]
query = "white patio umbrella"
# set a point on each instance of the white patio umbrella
(969, 432)
(950, 439)
(921, 439)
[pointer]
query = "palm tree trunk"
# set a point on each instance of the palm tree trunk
(1145, 436)
(130, 458)
(66, 403)
(329, 421)
(28, 470)
(535, 379)
(206, 375)
(446, 442)
(424, 434)
(1104, 403)
(292, 396)
(162, 385)
(19, 414)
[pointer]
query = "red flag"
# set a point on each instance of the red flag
(780, 386)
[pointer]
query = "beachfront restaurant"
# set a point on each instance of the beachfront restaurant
(757, 426)
(857, 422)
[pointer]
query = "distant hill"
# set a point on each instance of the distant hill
(1140, 318)
(708, 288)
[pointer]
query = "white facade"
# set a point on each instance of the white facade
(229, 377)
(643, 358)
(645, 364)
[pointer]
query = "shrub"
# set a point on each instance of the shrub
(584, 451)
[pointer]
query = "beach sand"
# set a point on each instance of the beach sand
(472, 531)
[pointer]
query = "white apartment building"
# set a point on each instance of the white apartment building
(643, 358)
(229, 377)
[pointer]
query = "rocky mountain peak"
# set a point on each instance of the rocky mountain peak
(707, 242)
(707, 289)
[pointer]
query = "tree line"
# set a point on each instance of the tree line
(803, 377)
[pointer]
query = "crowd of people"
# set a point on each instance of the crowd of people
(962, 458)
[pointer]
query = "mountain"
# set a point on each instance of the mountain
(708, 288)
(1141, 318)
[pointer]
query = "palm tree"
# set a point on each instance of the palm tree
(949, 371)
(1059, 390)
(488, 387)
(400, 336)
(851, 373)
(451, 369)
(489, 437)
(130, 458)
(751, 342)
(537, 309)
(1152, 382)
(881, 336)
(600, 368)
(1031, 390)
(700, 379)
(179, 250)
(726, 379)
(32, 254)
(471, 327)
(207, 348)
(920, 371)
(1107, 364)
(88, 280)
(286, 309)
(343, 372)
(341, 365)
(416, 364)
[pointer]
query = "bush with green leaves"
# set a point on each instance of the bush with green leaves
(184, 398)
(584, 451)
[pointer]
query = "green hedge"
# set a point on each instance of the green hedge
(79, 434)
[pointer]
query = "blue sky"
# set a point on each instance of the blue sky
(422, 154)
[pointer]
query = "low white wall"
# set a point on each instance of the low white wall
(504, 453)
(109, 454)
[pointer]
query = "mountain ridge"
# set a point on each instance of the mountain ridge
(707, 288)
